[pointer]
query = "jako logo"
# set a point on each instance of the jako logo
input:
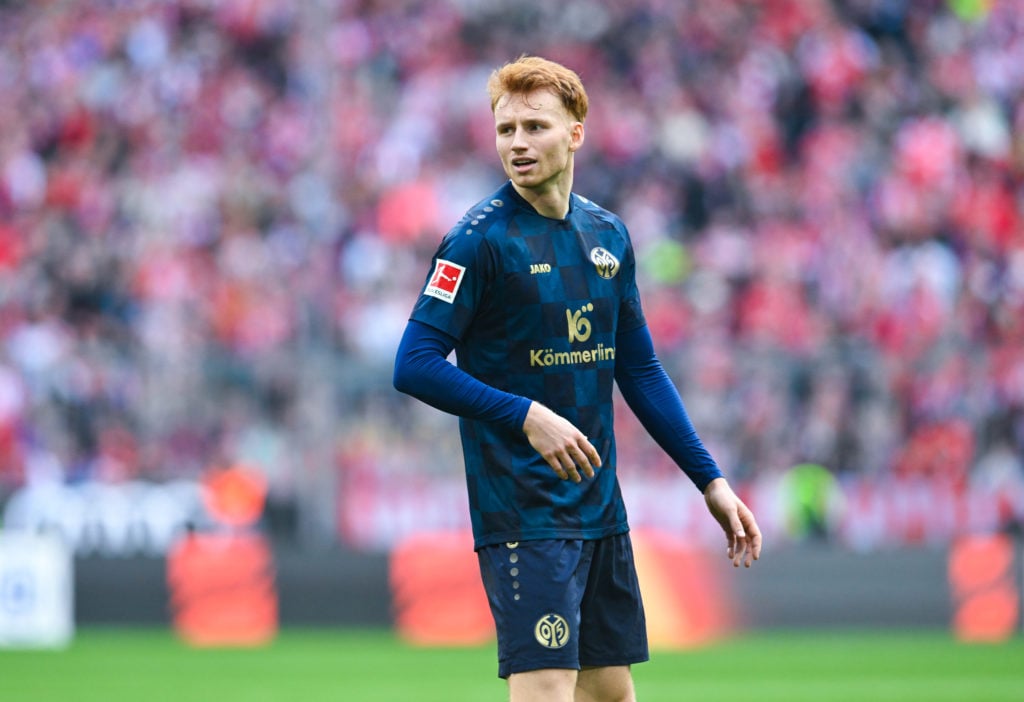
(579, 326)
(536, 268)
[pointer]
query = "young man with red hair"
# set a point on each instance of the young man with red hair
(535, 290)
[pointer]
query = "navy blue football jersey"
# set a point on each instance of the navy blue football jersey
(535, 305)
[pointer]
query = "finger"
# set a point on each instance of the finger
(591, 453)
(752, 534)
(583, 461)
(556, 466)
(737, 551)
(739, 541)
(569, 467)
(744, 555)
(753, 544)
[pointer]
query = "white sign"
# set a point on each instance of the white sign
(36, 591)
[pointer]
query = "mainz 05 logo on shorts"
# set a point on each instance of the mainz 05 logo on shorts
(605, 263)
(551, 631)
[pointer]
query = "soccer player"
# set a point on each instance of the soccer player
(535, 289)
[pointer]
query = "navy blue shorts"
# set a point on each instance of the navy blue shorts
(564, 604)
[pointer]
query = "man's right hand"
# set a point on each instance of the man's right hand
(569, 453)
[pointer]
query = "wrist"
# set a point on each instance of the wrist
(525, 412)
(715, 484)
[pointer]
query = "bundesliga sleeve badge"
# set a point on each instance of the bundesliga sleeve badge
(445, 280)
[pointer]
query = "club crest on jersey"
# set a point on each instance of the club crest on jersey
(605, 263)
(445, 280)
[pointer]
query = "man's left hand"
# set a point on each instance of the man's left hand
(741, 531)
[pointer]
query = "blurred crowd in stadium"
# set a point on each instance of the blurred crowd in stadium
(215, 216)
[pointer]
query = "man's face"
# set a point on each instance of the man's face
(536, 137)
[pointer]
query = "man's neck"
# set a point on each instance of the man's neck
(552, 202)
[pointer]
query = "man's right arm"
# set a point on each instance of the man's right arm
(423, 371)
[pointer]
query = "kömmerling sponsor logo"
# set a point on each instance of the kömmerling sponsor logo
(546, 358)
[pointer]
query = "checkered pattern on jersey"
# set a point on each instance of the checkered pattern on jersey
(537, 309)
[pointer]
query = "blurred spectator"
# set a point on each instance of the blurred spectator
(213, 217)
(812, 501)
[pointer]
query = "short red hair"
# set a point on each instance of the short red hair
(529, 73)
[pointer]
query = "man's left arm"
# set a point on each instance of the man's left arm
(655, 401)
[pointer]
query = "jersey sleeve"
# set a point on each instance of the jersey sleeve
(423, 371)
(455, 287)
(655, 401)
(631, 315)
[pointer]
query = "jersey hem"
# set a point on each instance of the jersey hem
(564, 535)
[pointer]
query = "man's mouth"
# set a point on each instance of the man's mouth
(522, 163)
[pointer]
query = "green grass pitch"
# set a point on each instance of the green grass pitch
(356, 666)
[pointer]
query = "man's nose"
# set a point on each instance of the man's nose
(519, 139)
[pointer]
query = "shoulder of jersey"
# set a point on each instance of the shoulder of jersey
(597, 211)
(482, 217)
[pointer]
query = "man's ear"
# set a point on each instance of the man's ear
(576, 136)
